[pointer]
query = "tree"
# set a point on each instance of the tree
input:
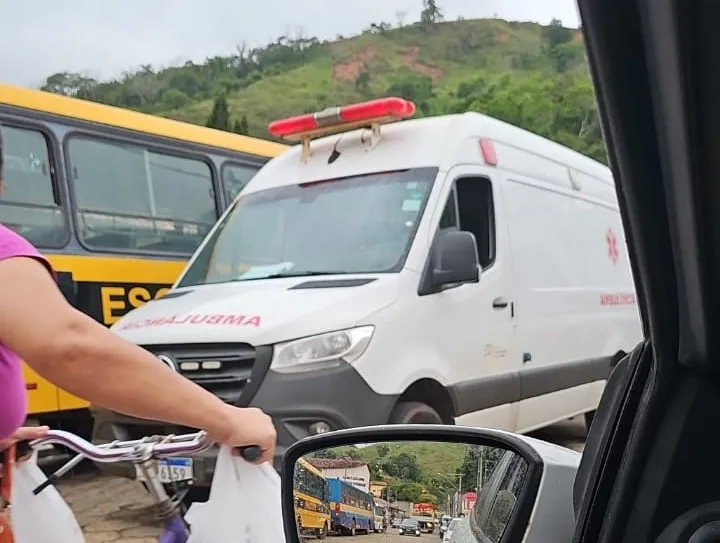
(431, 13)
(403, 466)
(405, 491)
(351, 453)
(325, 453)
(70, 84)
(220, 115)
(362, 82)
(558, 44)
(174, 98)
(478, 465)
(556, 34)
(416, 88)
(382, 450)
(241, 126)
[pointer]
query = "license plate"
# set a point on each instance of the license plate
(171, 470)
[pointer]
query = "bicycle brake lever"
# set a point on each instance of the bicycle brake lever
(251, 452)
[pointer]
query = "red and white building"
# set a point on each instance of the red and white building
(467, 502)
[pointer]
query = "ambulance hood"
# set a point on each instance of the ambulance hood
(259, 312)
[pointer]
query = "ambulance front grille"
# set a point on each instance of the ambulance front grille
(221, 368)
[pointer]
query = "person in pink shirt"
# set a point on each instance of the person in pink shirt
(80, 355)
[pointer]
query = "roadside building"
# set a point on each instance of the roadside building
(355, 472)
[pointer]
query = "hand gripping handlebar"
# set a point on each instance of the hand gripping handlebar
(136, 451)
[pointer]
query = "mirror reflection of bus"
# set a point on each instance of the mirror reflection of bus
(462, 485)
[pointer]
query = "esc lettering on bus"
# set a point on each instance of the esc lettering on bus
(118, 300)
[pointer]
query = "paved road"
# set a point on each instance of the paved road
(112, 509)
(392, 537)
(569, 433)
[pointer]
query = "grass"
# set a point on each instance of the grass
(432, 458)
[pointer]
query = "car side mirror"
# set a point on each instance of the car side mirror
(456, 259)
(405, 478)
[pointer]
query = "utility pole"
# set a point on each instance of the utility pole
(481, 470)
(459, 496)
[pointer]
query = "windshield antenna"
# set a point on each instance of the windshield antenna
(335, 154)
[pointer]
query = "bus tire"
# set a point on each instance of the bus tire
(414, 413)
(322, 534)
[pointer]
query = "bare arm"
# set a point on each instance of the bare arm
(76, 353)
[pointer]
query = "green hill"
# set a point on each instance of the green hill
(524, 73)
(432, 458)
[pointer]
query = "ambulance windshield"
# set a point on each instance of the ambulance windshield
(362, 224)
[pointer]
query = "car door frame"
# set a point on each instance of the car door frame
(661, 153)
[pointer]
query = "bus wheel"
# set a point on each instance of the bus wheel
(322, 532)
(414, 413)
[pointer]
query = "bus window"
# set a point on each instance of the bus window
(235, 177)
(131, 198)
(30, 205)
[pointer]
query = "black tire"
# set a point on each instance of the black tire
(414, 413)
(323, 532)
(589, 416)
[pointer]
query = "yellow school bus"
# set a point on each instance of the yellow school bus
(311, 507)
(117, 200)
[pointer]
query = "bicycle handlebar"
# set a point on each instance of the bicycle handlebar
(136, 451)
(118, 451)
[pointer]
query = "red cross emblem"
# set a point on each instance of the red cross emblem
(613, 253)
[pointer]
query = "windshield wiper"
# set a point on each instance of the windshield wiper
(285, 275)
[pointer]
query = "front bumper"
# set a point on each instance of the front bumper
(339, 397)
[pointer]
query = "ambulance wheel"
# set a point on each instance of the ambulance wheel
(414, 413)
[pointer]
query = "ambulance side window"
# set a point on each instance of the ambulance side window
(470, 208)
(449, 218)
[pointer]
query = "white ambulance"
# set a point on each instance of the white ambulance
(454, 269)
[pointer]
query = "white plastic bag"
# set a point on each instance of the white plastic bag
(42, 518)
(244, 504)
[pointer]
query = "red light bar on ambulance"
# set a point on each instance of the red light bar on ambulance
(341, 119)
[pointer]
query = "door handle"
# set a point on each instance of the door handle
(500, 303)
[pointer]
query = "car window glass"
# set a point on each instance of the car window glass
(449, 219)
(235, 177)
(497, 498)
(132, 198)
(476, 211)
(29, 203)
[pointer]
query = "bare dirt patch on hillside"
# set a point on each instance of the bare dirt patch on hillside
(409, 57)
(355, 65)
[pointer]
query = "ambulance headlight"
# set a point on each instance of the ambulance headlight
(321, 351)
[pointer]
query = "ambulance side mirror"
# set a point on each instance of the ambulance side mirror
(456, 259)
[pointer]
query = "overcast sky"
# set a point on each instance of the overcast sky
(103, 38)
